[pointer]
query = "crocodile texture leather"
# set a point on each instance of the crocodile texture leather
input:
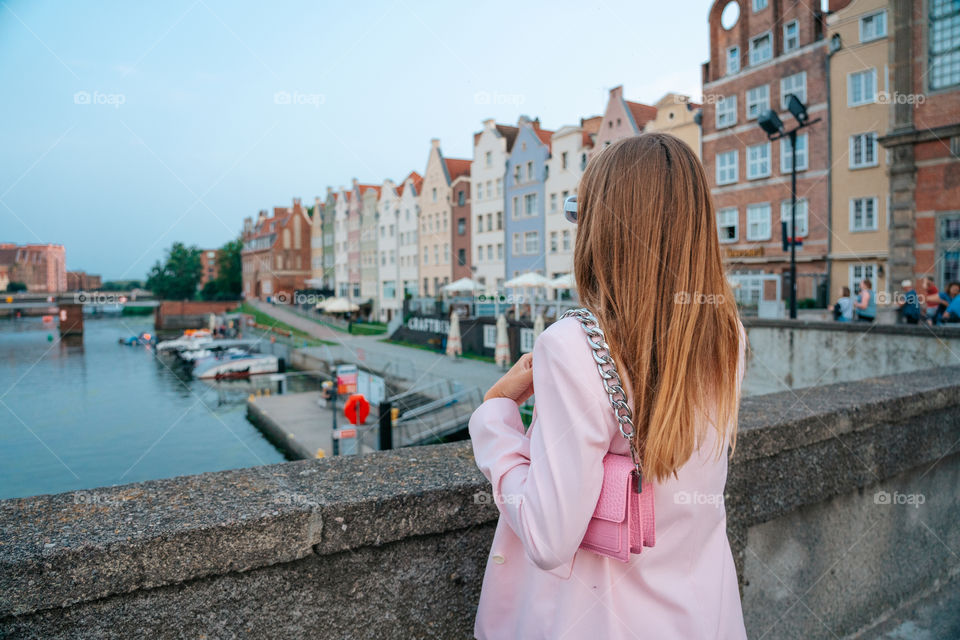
(623, 521)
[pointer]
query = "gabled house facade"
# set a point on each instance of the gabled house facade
(677, 115)
(389, 294)
(342, 243)
(571, 146)
(408, 234)
(436, 268)
(621, 119)
(460, 205)
(491, 146)
(275, 259)
(525, 189)
(369, 262)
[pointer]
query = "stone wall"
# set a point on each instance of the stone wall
(393, 544)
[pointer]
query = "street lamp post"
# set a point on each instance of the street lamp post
(771, 124)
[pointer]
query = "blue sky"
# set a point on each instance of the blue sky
(128, 126)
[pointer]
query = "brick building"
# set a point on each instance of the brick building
(924, 140)
(41, 267)
(276, 253)
(759, 55)
(82, 281)
(460, 228)
(208, 263)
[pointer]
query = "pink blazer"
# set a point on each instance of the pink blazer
(546, 482)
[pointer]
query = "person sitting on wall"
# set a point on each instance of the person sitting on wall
(866, 305)
(910, 308)
(952, 312)
(843, 309)
(931, 296)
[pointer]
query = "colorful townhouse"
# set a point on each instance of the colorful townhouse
(436, 268)
(369, 196)
(679, 116)
(354, 208)
(923, 140)
(859, 79)
(491, 147)
(341, 245)
(525, 180)
(408, 234)
(328, 231)
(571, 146)
(758, 56)
(388, 243)
(460, 201)
(316, 245)
(621, 119)
(276, 253)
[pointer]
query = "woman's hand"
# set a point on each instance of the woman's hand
(517, 383)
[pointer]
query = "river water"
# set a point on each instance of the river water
(78, 417)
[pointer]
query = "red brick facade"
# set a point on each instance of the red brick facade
(276, 253)
(749, 253)
(460, 228)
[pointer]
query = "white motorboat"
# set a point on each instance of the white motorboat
(234, 364)
(189, 340)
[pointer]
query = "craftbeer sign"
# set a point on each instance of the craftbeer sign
(429, 325)
(346, 379)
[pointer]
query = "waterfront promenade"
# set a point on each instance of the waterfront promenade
(421, 363)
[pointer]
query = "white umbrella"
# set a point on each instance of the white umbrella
(463, 284)
(454, 348)
(314, 283)
(339, 305)
(526, 281)
(538, 326)
(564, 281)
(502, 352)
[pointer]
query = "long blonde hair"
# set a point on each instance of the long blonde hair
(647, 262)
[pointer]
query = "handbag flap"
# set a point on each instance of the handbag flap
(612, 504)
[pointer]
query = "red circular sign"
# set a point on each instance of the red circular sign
(356, 409)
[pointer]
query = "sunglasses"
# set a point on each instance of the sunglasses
(570, 209)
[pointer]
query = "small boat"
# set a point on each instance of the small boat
(144, 339)
(231, 364)
(190, 339)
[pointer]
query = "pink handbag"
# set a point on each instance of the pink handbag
(623, 521)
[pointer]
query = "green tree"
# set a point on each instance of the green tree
(16, 287)
(229, 281)
(176, 278)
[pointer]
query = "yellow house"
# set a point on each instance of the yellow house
(860, 104)
(677, 115)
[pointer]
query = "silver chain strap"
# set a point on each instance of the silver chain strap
(609, 376)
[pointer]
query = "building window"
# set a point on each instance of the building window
(727, 167)
(515, 247)
(726, 111)
(728, 224)
(530, 170)
(795, 84)
(563, 160)
(499, 220)
(861, 87)
(733, 60)
(863, 214)
(489, 336)
(873, 26)
(530, 204)
(553, 242)
(434, 195)
(479, 191)
(761, 49)
(786, 157)
(948, 254)
(791, 36)
(944, 61)
(390, 289)
(516, 174)
(462, 257)
(516, 207)
(461, 226)
(758, 221)
(758, 101)
(531, 243)
(566, 241)
(499, 251)
(803, 218)
(488, 158)
(863, 150)
(860, 272)
(526, 340)
(759, 5)
(479, 223)
(758, 161)
(553, 203)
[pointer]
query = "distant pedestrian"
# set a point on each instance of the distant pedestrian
(930, 296)
(952, 312)
(866, 304)
(843, 309)
(910, 308)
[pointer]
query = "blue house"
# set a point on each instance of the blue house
(524, 199)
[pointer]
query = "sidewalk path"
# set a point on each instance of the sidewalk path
(417, 364)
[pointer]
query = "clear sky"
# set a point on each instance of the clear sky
(127, 126)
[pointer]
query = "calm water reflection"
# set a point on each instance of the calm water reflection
(102, 413)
